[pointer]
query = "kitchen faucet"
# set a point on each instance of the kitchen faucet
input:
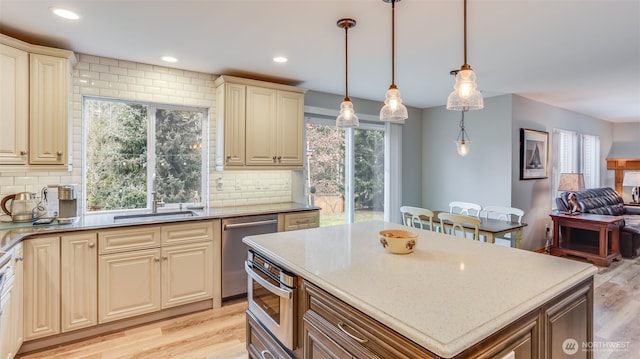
(155, 203)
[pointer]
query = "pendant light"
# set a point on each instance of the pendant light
(347, 116)
(463, 142)
(465, 95)
(393, 109)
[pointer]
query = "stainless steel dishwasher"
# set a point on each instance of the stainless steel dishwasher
(234, 251)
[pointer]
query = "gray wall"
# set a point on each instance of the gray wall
(484, 175)
(535, 196)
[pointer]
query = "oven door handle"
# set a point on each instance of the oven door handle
(284, 293)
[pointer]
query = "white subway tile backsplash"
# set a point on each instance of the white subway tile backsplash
(100, 76)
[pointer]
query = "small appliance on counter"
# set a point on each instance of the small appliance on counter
(24, 207)
(67, 203)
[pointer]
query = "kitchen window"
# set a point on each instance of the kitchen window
(125, 143)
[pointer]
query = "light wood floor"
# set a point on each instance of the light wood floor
(220, 333)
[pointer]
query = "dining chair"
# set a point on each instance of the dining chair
(415, 217)
(455, 223)
(505, 214)
(465, 208)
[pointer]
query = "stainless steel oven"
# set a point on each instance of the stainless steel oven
(272, 297)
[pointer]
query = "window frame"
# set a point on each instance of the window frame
(152, 108)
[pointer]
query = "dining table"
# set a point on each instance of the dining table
(492, 228)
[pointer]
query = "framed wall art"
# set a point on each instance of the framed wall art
(534, 154)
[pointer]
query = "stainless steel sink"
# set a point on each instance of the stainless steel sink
(156, 216)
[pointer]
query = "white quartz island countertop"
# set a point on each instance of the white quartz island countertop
(447, 295)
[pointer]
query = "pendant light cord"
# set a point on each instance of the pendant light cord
(465, 33)
(346, 63)
(393, 43)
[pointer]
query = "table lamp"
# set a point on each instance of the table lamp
(632, 179)
(571, 182)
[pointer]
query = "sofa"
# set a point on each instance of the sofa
(606, 201)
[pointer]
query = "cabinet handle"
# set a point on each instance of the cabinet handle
(228, 158)
(279, 158)
(341, 326)
(264, 353)
(19, 258)
(274, 159)
(164, 258)
(24, 152)
(156, 259)
(91, 245)
(59, 153)
(306, 221)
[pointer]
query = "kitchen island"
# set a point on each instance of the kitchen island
(450, 298)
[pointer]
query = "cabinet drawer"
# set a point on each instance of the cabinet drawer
(353, 329)
(132, 238)
(260, 344)
(300, 220)
(186, 233)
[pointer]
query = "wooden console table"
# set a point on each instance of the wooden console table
(600, 254)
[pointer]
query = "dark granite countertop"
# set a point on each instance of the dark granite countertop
(12, 233)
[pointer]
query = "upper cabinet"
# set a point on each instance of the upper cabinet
(260, 124)
(35, 99)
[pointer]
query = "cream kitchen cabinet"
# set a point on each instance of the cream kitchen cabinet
(298, 220)
(41, 287)
(79, 291)
(11, 304)
(35, 106)
(146, 269)
(260, 124)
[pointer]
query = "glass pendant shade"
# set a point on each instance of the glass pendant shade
(393, 109)
(463, 147)
(465, 95)
(463, 143)
(347, 116)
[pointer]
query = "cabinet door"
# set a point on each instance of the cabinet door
(14, 105)
(79, 288)
(261, 127)
(290, 128)
(128, 284)
(41, 287)
(187, 273)
(6, 321)
(570, 317)
(233, 96)
(18, 297)
(49, 110)
(318, 345)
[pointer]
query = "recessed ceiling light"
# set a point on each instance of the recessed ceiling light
(280, 59)
(169, 59)
(64, 13)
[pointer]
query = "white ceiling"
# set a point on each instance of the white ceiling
(580, 55)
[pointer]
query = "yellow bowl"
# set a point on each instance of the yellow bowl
(398, 241)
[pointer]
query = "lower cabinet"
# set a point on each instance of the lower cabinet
(41, 287)
(333, 329)
(11, 305)
(129, 284)
(176, 268)
(260, 345)
(79, 288)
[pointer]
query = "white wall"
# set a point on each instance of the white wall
(484, 175)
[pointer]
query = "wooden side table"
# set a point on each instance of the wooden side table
(599, 255)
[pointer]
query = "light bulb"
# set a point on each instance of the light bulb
(465, 95)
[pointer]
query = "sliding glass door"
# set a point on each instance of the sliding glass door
(345, 171)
